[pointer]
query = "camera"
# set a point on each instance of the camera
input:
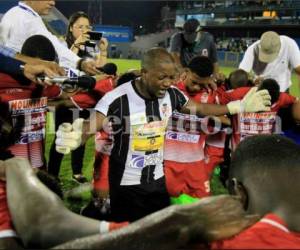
(95, 36)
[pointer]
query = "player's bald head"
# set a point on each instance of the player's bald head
(155, 56)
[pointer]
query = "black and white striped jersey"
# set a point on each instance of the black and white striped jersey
(139, 126)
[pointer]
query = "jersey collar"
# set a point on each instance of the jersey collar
(275, 221)
(27, 8)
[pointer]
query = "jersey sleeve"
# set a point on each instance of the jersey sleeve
(104, 103)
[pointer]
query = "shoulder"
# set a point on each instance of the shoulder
(17, 11)
(287, 41)
(177, 94)
(253, 45)
(118, 92)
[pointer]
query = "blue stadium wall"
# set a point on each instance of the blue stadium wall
(115, 34)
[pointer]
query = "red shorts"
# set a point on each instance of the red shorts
(215, 156)
(6, 228)
(188, 178)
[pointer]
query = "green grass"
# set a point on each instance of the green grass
(66, 171)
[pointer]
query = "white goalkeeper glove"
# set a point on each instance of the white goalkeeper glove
(68, 136)
(252, 102)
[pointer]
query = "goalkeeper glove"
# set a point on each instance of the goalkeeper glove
(252, 102)
(68, 137)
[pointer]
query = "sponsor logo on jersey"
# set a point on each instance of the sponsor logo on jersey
(183, 137)
(137, 161)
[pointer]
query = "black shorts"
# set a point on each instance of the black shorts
(130, 203)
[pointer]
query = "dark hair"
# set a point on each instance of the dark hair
(202, 66)
(273, 88)
(265, 160)
(39, 46)
(73, 18)
(238, 78)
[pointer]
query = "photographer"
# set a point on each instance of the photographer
(79, 41)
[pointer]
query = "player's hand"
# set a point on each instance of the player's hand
(90, 67)
(50, 69)
(215, 218)
(81, 40)
(254, 101)
(68, 136)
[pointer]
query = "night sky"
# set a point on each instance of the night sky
(126, 13)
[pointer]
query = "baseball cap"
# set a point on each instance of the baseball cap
(269, 46)
(190, 29)
(109, 69)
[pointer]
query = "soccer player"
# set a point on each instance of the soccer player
(185, 159)
(248, 124)
(139, 112)
(265, 173)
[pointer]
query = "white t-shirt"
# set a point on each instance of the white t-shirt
(280, 69)
(22, 22)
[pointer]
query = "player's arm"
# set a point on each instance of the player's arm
(253, 101)
(51, 69)
(174, 227)
(39, 216)
(43, 220)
